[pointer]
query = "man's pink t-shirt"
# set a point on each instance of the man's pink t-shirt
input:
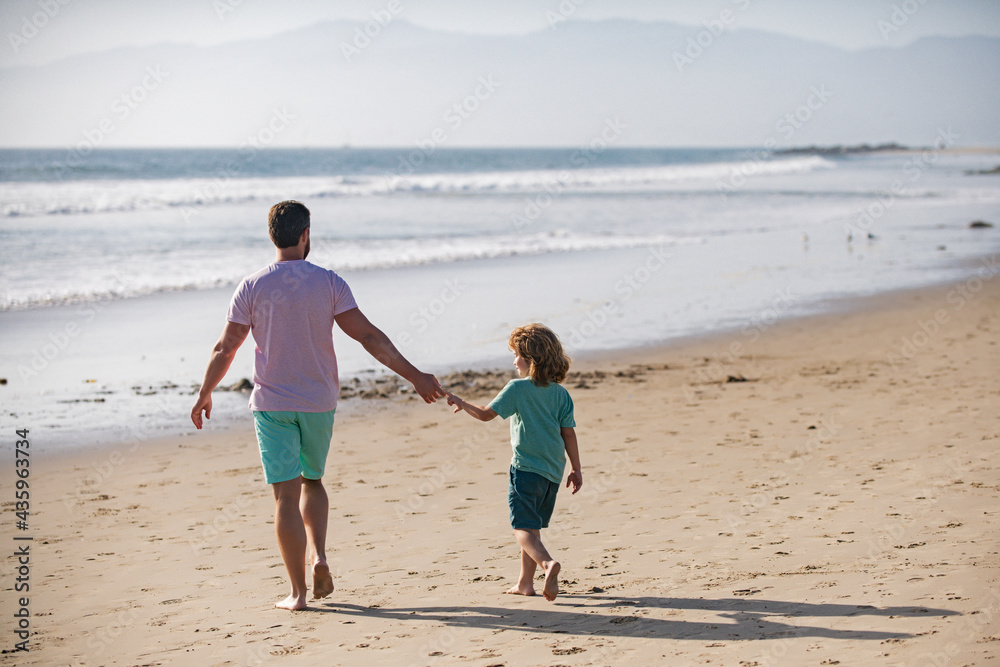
(290, 308)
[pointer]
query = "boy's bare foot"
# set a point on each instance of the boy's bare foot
(292, 603)
(322, 580)
(522, 590)
(551, 589)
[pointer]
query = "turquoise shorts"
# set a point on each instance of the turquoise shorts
(293, 443)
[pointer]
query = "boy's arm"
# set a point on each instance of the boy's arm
(482, 413)
(354, 323)
(222, 357)
(575, 478)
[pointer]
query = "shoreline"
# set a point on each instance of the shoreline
(834, 506)
(362, 391)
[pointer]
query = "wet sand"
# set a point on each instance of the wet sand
(817, 491)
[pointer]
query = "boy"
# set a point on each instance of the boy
(542, 436)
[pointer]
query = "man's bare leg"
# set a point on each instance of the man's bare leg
(315, 510)
(291, 534)
(526, 581)
(531, 542)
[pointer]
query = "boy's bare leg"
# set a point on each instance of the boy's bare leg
(526, 581)
(291, 534)
(315, 509)
(531, 542)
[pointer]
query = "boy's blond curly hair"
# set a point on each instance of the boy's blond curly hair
(540, 347)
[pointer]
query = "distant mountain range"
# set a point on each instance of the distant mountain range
(617, 82)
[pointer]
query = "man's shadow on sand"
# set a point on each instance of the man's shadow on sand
(751, 619)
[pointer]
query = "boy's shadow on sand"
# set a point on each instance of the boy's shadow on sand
(751, 619)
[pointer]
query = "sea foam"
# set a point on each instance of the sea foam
(27, 199)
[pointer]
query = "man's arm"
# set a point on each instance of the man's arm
(354, 323)
(575, 478)
(482, 413)
(222, 357)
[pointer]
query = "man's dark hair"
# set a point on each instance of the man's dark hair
(286, 222)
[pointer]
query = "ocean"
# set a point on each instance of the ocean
(117, 265)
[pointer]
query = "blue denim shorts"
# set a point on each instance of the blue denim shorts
(293, 443)
(531, 498)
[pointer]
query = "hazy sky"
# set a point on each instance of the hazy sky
(70, 27)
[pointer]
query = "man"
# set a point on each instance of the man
(290, 307)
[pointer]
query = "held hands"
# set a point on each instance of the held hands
(455, 401)
(480, 412)
(428, 387)
(575, 480)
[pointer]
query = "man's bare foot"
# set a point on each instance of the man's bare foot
(522, 590)
(322, 581)
(292, 603)
(551, 589)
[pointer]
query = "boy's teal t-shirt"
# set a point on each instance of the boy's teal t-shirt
(537, 415)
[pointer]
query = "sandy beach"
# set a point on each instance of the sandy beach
(818, 491)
